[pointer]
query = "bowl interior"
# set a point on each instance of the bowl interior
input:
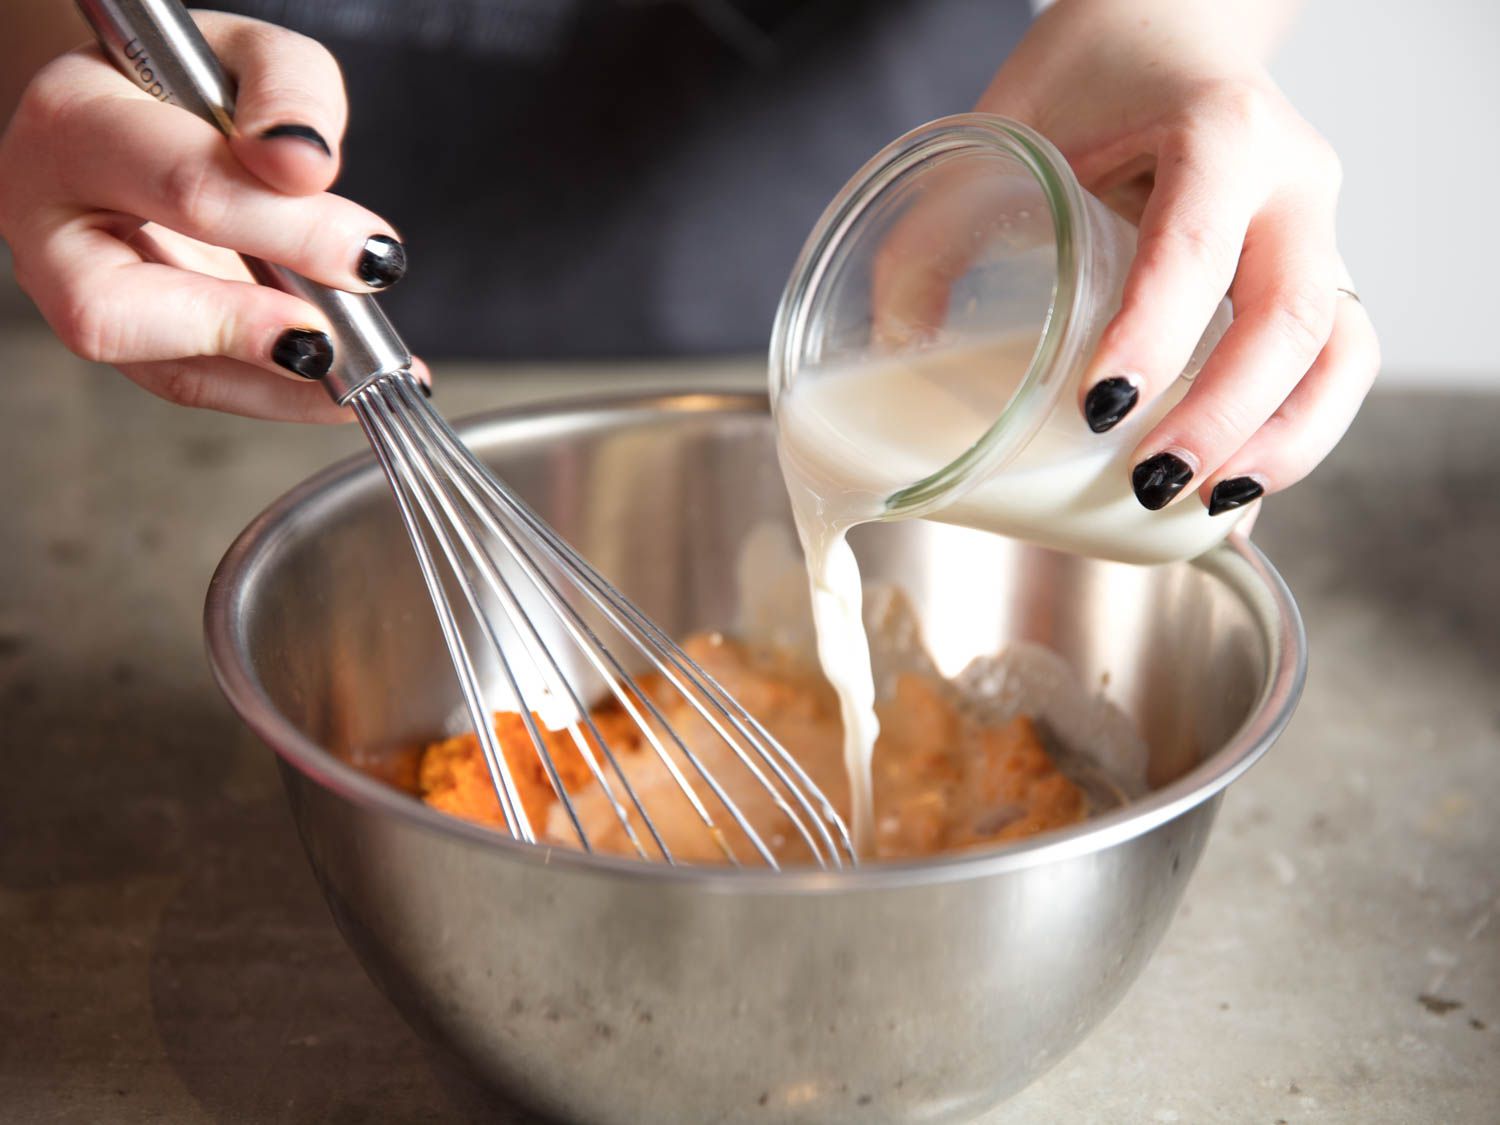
(679, 502)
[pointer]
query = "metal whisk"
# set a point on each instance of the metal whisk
(525, 589)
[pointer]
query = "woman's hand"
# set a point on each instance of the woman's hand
(1163, 108)
(122, 215)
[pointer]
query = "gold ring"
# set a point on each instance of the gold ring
(1349, 293)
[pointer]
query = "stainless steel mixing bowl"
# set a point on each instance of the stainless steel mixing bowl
(604, 990)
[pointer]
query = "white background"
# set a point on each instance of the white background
(1408, 91)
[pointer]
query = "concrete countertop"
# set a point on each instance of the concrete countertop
(165, 955)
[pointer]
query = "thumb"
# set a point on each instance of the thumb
(290, 109)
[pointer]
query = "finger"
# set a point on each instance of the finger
(423, 375)
(109, 306)
(1306, 427)
(231, 387)
(1192, 229)
(1246, 527)
(127, 153)
(290, 108)
(155, 243)
(1284, 299)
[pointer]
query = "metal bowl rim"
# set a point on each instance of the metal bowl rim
(229, 588)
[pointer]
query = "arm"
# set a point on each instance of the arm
(1252, 27)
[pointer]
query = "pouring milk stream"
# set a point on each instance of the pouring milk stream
(862, 428)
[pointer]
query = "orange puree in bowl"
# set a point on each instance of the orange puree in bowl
(943, 780)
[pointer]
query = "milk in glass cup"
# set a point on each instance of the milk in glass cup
(927, 352)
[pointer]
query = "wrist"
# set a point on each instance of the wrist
(1224, 34)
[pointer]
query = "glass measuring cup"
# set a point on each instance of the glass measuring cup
(928, 348)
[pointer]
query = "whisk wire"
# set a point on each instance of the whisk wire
(598, 654)
(435, 500)
(412, 422)
(499, 770)
(467, 512)
(668, 659)
(459, 459)
(606, 598)
(662, 647)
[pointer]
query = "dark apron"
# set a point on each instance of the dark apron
(624, 177)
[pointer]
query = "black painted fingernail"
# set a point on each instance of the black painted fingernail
(1108, 401)
(425, 389)
(304, 351)
(1157, 479)
(382, 262)
(300, 133)
(1234, 493)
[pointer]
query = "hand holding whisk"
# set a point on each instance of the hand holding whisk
(526, 621)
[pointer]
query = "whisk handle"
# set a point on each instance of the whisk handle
(156, 44)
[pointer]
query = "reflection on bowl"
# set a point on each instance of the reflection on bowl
(605, 990)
